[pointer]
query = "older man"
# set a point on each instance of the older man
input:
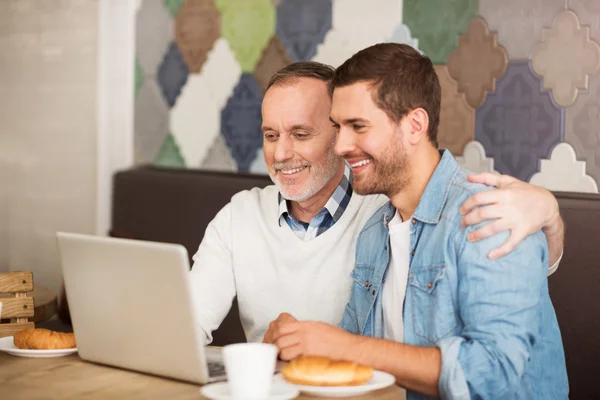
(290, 247)
(443, 318)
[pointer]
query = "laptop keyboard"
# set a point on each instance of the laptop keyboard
(216, 369)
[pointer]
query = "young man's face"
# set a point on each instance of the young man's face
(298, 138)
(369, 140)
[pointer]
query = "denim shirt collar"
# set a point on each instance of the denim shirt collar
(435, 195)
(433, 200)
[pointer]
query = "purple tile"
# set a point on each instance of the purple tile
(302, 25)
(519, 123)
(241, 120)
(172, 74)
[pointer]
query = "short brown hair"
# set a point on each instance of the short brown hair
(302, 69)
(404, 80)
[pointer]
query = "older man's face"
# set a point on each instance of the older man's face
(299, 139)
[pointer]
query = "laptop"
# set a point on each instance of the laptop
(131, 307)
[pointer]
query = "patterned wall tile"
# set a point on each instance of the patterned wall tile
(172, 74)
(139, 76)
(218, 157)
(474, 159)
(566, 40)
(588, 12)
(457, 117)
(372, 23)
(274, 58)
(302, 25)
(174, 6)
(151, 123)
(356, 27)
(336, 48)
(563, 172)
(221, 72)
(153, 33)
(519, 123)
(402, 35)
(195, 118)
(519, 23)
(197, 27)
(169, 155)
(437, 24)
(582, 127)
(194, 121)
(477, 62)
(241, 121)
(259, 166)
(248, 25)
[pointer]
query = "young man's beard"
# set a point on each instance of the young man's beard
(390, 173)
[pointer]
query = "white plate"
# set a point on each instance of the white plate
(280, 390)
(7, 345)
(379, 380)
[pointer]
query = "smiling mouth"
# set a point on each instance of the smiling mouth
(292, 171)
(361, 163)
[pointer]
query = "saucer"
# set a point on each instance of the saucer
(279, 391)
(7, 345)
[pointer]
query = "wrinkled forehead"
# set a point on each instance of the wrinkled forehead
(302, 102)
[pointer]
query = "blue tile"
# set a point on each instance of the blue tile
(241, 120)
(519, 123)
(172, 74)
(302, 26)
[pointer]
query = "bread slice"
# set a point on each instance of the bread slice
(322, 371)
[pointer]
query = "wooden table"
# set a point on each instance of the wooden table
(72, 378)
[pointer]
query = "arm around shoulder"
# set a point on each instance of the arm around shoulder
(499, 302)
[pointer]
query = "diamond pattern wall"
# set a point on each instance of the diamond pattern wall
(302, 25)
(509, 101)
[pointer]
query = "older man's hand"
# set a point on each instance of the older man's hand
(274, 325)
(517, 206)
(310, 338)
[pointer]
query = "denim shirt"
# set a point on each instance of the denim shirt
(492, 320)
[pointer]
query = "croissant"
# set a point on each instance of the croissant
(321, 371)
(44, 339)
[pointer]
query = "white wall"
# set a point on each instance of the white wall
(56, 130)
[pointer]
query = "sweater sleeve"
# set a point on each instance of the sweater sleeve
(212, 278)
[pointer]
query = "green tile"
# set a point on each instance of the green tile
(247, 25)
(139, 76)
(169, 155)
(173, 6)
(222, 5)
(438, 23)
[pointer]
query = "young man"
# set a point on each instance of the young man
(290, 247)
(443, 318)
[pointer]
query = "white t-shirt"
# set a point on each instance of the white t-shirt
(394, 288)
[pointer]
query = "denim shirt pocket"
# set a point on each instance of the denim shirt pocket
(362, 298)
(431, 303)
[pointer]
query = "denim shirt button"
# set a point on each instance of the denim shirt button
(373, 293)
(414, 221)
(413, 253)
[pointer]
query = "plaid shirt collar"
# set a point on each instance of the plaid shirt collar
(335, 206)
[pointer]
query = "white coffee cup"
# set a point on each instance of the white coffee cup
(250, 368)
